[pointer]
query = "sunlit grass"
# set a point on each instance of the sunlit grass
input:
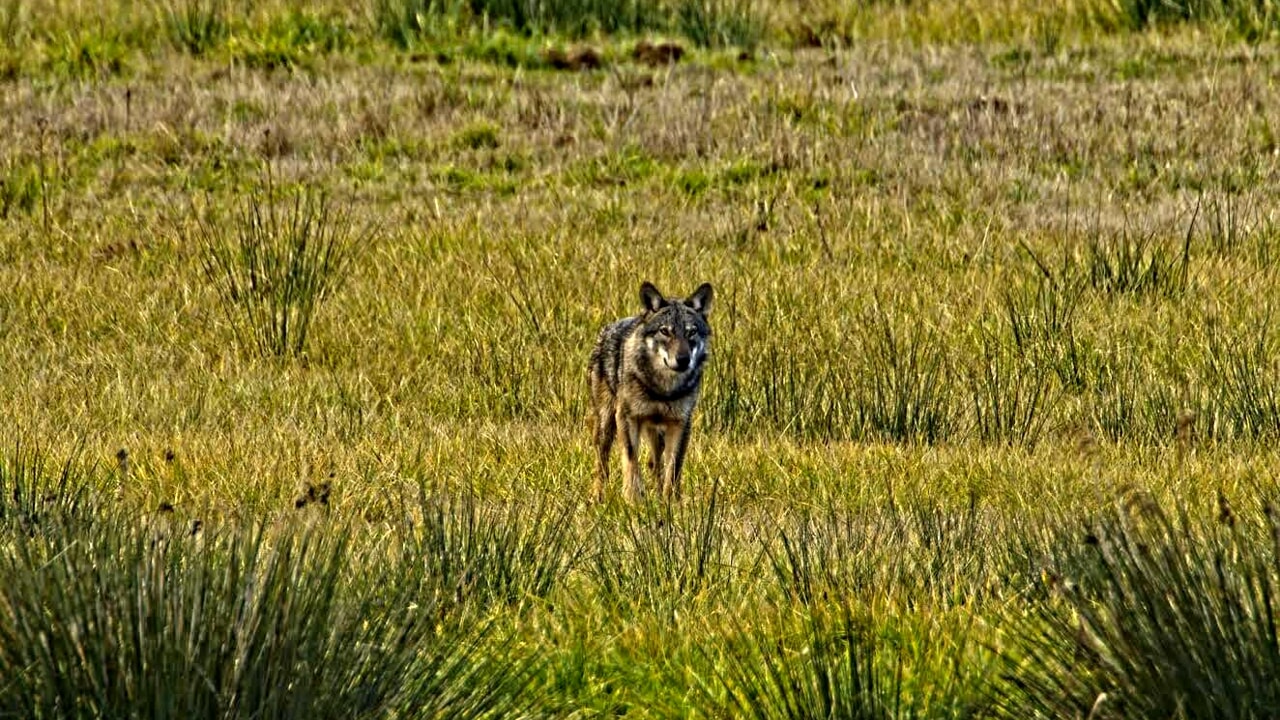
(980, 269)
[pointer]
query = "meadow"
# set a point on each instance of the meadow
(297, 299)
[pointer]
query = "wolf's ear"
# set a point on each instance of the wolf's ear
(651, 298)
(700, 300)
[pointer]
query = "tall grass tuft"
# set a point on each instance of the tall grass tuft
(1252, 18)
(1046, 311)
(1241, 382)
(705, 22)
(657, 557)
(14, 21)
(475, 554)
(718, 23)
(126, 619)
(1138, 264)
(284, 255)
(1231, 221)
(1042, 322)
(1163, 619)
(818, 554)
(195, 26)
(1012, 394)
(573, 17)
(34, 495)
(905, 388)
(406, 22)
(834, 665)
(933, 554)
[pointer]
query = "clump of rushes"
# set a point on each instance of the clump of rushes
(708, 23)
(658, 557)
(719, 23)
(1012, 394)
(1157, 617)
(1241, 383)
(122, 619)
(1139, 264)
(284, 254)
(475, 554)
(1253, 19)
(33, 494)
(195, 26)
(832, 662)
(905, 390)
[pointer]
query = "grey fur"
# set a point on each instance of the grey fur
(646, 374)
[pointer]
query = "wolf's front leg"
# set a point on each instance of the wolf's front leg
(677, 442)
(633, 483)
(656, 440)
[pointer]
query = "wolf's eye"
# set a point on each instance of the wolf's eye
(664, 331)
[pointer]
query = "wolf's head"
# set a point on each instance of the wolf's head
(675, 330)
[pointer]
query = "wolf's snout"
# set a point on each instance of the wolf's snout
(682, 362)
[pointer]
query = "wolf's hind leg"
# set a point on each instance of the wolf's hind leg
(606, 429)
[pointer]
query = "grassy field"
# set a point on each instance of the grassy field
(297, 301)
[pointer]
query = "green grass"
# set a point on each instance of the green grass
(983, 272)
(1167, 618)
(829, 663)
(708, 23)
(288, 251)
(115, 613)
(196, 26)
(1254, 19)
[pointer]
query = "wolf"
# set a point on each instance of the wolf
(645, 375)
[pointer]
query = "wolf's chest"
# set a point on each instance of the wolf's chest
(643, 404)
